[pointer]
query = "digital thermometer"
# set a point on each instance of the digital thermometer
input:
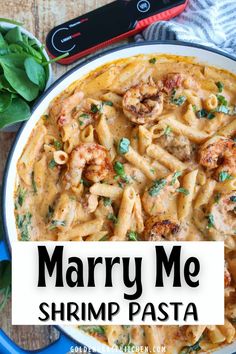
(108, 24)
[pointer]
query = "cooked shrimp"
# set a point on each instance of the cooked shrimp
(156, 198)
(61, 108)
(160, 230)
(91, 157)
(143, 103)
(219, 153)
(223, 214)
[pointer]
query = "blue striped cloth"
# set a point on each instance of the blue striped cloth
(207, 22)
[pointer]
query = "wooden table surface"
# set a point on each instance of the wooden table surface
(38, 16)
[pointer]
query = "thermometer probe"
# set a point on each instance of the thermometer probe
(108, 24)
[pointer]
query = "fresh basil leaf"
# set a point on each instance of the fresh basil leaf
(13, 35)
(35, 72)
(30, 50)
(5, 100)
(220, 86)
(132, 235)
(3, 43)
(18, 111)
(123, 146)
(202, 113)
(19, 80)
(224, 176)
(183, 191)
(157, 187)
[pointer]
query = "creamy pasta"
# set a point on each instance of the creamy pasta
(140, 149)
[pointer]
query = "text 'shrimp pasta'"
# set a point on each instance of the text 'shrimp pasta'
(141, 283)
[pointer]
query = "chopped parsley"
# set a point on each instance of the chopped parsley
(217, 198)
(167, 130)
(222, 104)
(178, 101)
(224, 176)
(94, 329)
(50, 212)
(132, 235)
(112, 218)
(52, 164)
(23, 221)
(120, 171)
(210, 115)
(82, 117)
(108, 103)
(119, 168)
(183, 191)
(157, 187)
(202, 113)
(34, 184)
(95, 108)
(194, 108)
(176, 175)
(56, 223)
(123, 146)
(152, 170)
(192, 348)
(107, 201)
(57, 145)
(152, 61)
(220, 86)
(233, 198)
(85, 182)
(211, 222)
(21, 196)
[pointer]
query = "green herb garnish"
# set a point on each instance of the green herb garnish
(95, 108)
(57, 145)
(167, 130)
(85, 182)
(123, 146)
(132, 236)
(178, 101)
(21, 196)
(202, 113)
(157, 187)
(224, 176)
(211, 222)
(23, 222)
(94, 329)
(217, 197)
(52, 164)
(183, 191)
(107, 201)
(210, 115)
(152, 60)
(112, 218)
(50, 212)
(108, 103)
(176, 175)
(192, 348)
(220, 86)
(56, 223)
